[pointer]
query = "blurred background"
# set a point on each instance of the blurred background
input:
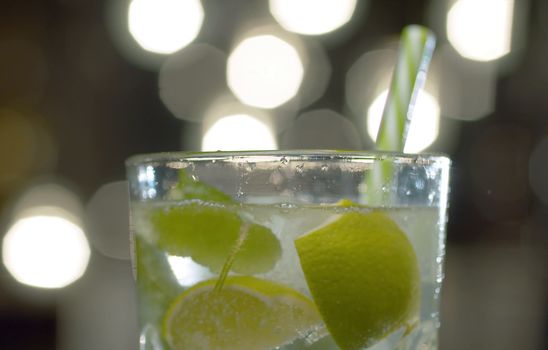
(85, 84)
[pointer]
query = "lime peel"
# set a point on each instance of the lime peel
(363, 275)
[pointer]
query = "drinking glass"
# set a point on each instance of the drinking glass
(310, 249)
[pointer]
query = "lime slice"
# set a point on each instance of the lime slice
(207, 231)
(364, 277)
(247, 313)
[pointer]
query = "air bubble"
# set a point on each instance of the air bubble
(248, 167)
(324, 167)
(439, 279)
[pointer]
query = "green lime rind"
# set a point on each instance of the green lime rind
(248, 313)
(208, 232)
(363, 275)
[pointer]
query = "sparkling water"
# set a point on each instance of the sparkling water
(162, 277)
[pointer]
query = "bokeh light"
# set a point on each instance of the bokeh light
(317, 72)
(481, 29)
(186, 271)
(424, 127)
(264, 71)
(368, 76)
(467, 88)
(312, 17)
(189, 78)
(45, 250)
(238, 132)
(165, 26)
(117, 24)
(107, 215)
(48, 193)
(46, 245)
(321, 129)
(276, 120)
(103, 302)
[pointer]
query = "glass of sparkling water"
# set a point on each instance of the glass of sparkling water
(288, 249)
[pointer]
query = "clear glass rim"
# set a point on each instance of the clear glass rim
(273, 155)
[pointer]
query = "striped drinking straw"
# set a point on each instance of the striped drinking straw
(414, 54)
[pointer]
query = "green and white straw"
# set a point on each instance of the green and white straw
(415, 52)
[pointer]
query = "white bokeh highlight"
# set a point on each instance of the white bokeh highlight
(238, 132)
(186, 271)
(45, 250)
(189, 78)
(264, 71)
(321, 129)
(481, 30)
(312, 17)
(165, 26)
(107, 214)
(424, 128)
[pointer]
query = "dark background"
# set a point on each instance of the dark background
(91, 106)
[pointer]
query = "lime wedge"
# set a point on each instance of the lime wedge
(364, 277)
(208, 234)
(247, 313)
(207, 230)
